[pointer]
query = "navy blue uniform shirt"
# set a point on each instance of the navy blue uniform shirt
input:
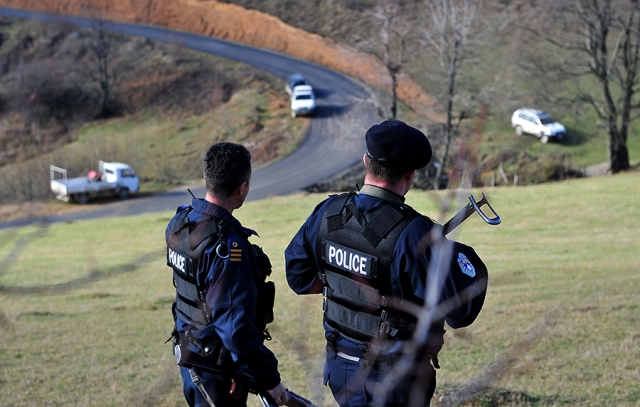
(408, 266)
(408, 274)
(231, 292)
(410, 280)
(409, 262)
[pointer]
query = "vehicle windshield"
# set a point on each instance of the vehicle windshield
(303, 97)
(546, 119)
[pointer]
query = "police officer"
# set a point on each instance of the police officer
(369, 253)
(223, 301)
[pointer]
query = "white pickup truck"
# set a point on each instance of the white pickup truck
(111, 179)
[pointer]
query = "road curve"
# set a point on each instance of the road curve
(333, 142)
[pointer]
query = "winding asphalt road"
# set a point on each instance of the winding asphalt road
(333, 142)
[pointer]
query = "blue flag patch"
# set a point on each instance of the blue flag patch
(466, 266)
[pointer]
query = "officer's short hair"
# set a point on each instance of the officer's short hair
(379, 171)
(226, 166)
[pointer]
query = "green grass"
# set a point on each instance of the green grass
(168, 149)
(86, 305)
(585, 145)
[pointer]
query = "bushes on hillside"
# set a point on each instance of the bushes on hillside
(56, 77)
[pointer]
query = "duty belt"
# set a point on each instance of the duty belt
(362, 355)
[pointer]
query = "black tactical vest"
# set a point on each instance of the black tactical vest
(355, 249)
(185, 243)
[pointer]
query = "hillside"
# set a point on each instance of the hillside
(343, 36)
(164, 105)
(234, 22)
(327, 33)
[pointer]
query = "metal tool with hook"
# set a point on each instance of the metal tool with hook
(295, 400)
(472, 206)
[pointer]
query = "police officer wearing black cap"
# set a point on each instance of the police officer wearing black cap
(366, 253)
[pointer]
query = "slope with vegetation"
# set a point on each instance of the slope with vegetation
(500, 70)
(233, 22)
(341, 35)
(346, 36)
(165, 105)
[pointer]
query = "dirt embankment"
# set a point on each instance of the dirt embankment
(235, 23)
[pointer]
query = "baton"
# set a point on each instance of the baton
(472, 206)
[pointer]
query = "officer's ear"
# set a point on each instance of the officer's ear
(239, 195)
(243, 189)
(409, 175)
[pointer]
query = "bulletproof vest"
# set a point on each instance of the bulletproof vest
(185, 243)
(355, 251)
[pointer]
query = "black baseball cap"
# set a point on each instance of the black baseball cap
(398, 146)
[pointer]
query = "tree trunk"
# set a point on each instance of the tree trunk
(394, 95)
(453, 72)
(618, 152)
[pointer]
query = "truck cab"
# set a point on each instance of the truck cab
(122, 174)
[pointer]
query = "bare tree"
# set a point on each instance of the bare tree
(454, 32)
(101, 61)
(103, 73)
(390, 46)
(601, 39)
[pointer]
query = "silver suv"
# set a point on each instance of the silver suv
(538, 123)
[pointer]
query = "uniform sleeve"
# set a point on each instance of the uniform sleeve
(465, 287)
(465, 282)
(300, 256)
(232, 294)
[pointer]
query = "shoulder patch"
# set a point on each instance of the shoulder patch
(235, 252)
(466, 266)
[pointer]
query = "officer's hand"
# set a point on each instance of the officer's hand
(279, 394)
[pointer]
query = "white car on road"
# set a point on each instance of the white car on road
(538, 123)
(303, 101)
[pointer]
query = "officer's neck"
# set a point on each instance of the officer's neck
(400, 188)
(230, 204)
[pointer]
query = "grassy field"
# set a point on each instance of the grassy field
(86, 305)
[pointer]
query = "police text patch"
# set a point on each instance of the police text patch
(349, 260)
(177, 261)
